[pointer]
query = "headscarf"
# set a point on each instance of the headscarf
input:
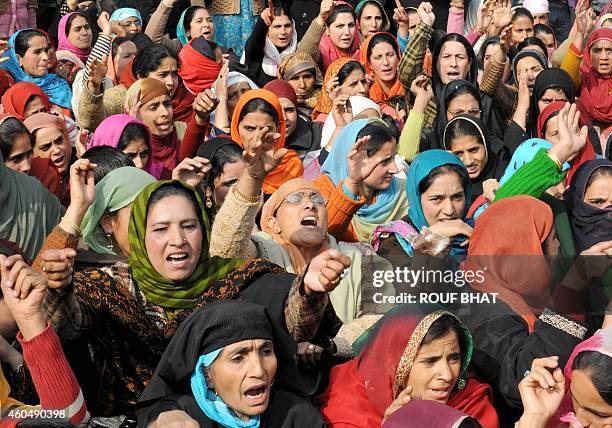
(603, 18)
(390, 204)
(269, 211)
(63, 42)
(55, 87)
(295, 63)
(324, 103)
(427, 413)
(46, 120)
(17, 96)
(590, 224)
(182, 26)
(272, 57)
(522, 54)
(197, 70)
(127, 78)
(358, 105)
(552, 78)
(329, 51)
(282, 89)
(596, 89)
(109, 132)
(6, 81)
(536, 6)
(377, 92)
(507, 249)
(290, 166)
(116, 190)
(124, 13)
(159, 290)
(362, 3)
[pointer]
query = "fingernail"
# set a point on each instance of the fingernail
(9, 284)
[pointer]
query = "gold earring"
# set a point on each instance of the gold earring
(209, 202)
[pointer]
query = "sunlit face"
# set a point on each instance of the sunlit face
(551, 95)
(20, 158)
(138, 151)
(303, 84)
(454, 62)
(436, 369)
(384, 159)
(34, 105)
(167, 72)
(371, 20)
(551, 131)
(281, 31)
(599, 192)
(234, 92)
(126, 52)
(489, 51)
(157, 115)
(444, 199)
(530, 67)
(80, 33)
(384, 62)
(201, 25)
(355, 84)
(522, 27)
(540, 18)
(413, 21)
(291, 115)
(52, 143)
(228, 177)
(342, 31)
(131, 25)
(173, 237)
(252, 123)
(472, 153)
(463, 104)
(601, 57)
(242, 376)
(36, 59)
(591, 410)
(117, 224)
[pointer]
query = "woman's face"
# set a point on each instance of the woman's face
(242, 376)
(117, 225)
(52, 56)
(173, 237)
(436, 369)
(601, 57)
(127, 50)
(384, 159)
(444, 199)
(228, 177)
(371, 20)
(522, 28)
(234, 92)
(20, 158)
(51, 143)
(471, 152)
(551, 95)
(489, 51)
(355, 84)
(131, 25)
(167, 72)
(599, 192)
(463, 104)
(454, 62)
(304, 223)
(34, 105)
(36, 59)
(281, 31)
(384, 61)
(201, 25)
(290, 114)
(342, 31)
(157, 115)
(138, 151)
(530, 67)
(252, 123)
(303, 83)
(367, 114)
(591, 410)
(548, 40)
(551, 132)
(80, 33)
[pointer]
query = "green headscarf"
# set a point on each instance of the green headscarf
(158, 289)
(116, 190)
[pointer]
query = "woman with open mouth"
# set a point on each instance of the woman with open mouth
(380, 55)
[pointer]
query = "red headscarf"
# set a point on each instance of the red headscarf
(6, 81)
(291, 165)
(377, 93)
(282, 89)
(197, 70)
(17, 96)
(596, 90)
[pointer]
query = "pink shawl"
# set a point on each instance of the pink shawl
(64, 44)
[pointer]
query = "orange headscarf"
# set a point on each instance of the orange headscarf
(291, 165)
(507, 249)
(324, 103)
(377, 93)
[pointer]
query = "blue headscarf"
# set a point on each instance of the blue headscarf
(55, 87)
(524, 154)
(123, 13)
(211, 404)
(180, 27)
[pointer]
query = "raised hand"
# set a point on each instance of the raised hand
(104, 23)
(260, 155)
(192, 171)
(82, 187)
(81, 142)
(221, 82)
(425, 12)
(134, 105)
(522, 106)
(484, 16)
(541, 391)
(421, 87)
(97, 71)
(489, 188)
(342, 111)
(359, 167)
(581, 17)
(325, 272)
(502, 13)
(57, 267)
(204, 104)
(400, 16)
(327, 6)
(267, 15)
(572, 138)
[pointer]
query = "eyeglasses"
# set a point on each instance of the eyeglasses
(298, 197)
(471, 112)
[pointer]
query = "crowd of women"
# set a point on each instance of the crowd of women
(209, 211)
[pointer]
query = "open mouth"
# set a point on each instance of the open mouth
(177, 259)
(256, 395)
(439, 393)
(309, 221)
(59, 161)
(163, 126)
(453, 74)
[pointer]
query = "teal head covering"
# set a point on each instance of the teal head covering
(116, 190)
(125, 12)
(524, 154)
(182, 26)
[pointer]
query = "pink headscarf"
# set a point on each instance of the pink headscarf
(329, 51)
(109, 133)
(64, 44)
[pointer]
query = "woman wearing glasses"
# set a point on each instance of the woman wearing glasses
(129, 19)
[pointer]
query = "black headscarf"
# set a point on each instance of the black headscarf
(590, 224)
(522, 54)
(547, 79)
(472, 75)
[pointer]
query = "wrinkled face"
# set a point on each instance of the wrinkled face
(167, 72)
(20, 158)
(436, 369)
(201, 25)
(551, 95)
(117, 225)
(522, 28)
(601, 57)
(491, 48)
(303, 84)
(52, 143)
(591, 410)
(463, 104)
(127, 50)
(290, 113)
(371, 20)
(531, 67)
(384, 61)
(471, 152)
(384, 159)
(234, 92)
(453, 63)
(599, 192)
(342, 31)
(280, 31)
(252, 123)
(173, 237)
(540, 18)
(157, 115)
(131, 25)
(33, 106)
(138, 151)
(242, 376)
(36, 59)
(80, 33)
(413, 21)
(302, 219)
(230, 175)
(355, 84)
(444, 199)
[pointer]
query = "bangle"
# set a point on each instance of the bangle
(556, 160)
(72, 224)
(247, 198)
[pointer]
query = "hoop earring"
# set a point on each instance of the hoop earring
(109, 244)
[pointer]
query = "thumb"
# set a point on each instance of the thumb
(279, 154)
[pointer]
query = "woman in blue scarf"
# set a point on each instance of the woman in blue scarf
(128, 18)
(27, 61)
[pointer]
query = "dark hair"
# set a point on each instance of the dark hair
(10, 129)
(599, 368)
(258, 104)
(469, 422)
(453, 37)
(341, 8)
(189, 17)
(131, 132)
(531, 41)
(117, 41)
(483, 49)
(521, 11)
(228, 153)
(379, 135)
(462, 90)
(398, 100)
(602, 171)
(141, 40)
(382, 38)
(461, 128)
(176, 189)
(347, 69)
(543, 29)
(22, 41)
(442, 326)
(72, 18)
(107, 159)
(372, 2)
(149, 59)
(445, 169)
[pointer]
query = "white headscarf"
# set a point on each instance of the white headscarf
(359, 105)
